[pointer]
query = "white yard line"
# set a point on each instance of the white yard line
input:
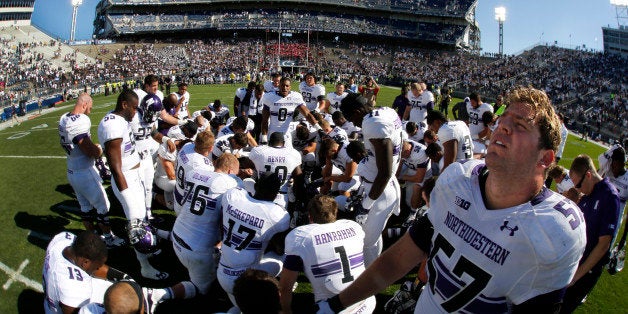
(16, 275)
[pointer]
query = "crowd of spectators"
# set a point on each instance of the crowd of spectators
(589, 88)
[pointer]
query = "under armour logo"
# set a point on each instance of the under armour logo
(512, 230)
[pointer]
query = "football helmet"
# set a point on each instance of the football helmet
(150, 107)
(143, 237)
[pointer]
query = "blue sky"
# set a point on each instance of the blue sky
(570, 22)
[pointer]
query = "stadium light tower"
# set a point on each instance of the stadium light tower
(621, 11)
(75, 5)
(500, 16)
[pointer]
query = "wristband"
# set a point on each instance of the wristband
(264, 138)
(116, 275)
(368, 202)
(164, 139)
(335, 304)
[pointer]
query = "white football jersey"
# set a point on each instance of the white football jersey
(335, 100)
(419, 105)
(63, 281)
(418, 136)
(250, 125)
(183, 110)
(310, 94)
(281, 110)
(72, 129)
(188, 160)
(329, 254)
(621, 184)
(484, 260)
(141, 94)
(565, 184)
(248, 225)
(112, 127)
(144, 142)
(198, 223)
(269, 87)
(417, 159)
(379, 124)
(164, 153)
(223, 145)
(298, 144)
(253, 104)
(475, 118)
(339, 135)
(281, 160)
(457, 130)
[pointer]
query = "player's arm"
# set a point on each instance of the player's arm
(600, 249)
(89, 148)
(417, 177)
(265, 118)
(308, 115)
(286, 282)
(393, 264)
(450, 150)
(168, 167)
(252, 141)
(383, 159)
(298, 186)
(113, 152)
(350, 168)
(68, 309)
(160, 138)
(406, 113)
(166, 117)
(236, 104)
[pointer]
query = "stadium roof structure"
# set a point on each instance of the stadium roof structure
(16, 12)
(443, 24)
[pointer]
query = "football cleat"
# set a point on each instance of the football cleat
(113, 241)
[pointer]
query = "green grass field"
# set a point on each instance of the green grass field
(37, 202)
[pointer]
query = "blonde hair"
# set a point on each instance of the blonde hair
(204, 140)
(322, 209)
(544, 115)
(226, 162)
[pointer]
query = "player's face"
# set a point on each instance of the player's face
(284, 88)
(309, 80)
(130, 109)
(89, 266)
(276, 81)
(182, 90)
(340, 89)
(514, 144)
(474, 104)
(88, 107)
(152, 88)
(416, 92)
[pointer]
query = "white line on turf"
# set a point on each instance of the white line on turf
(35, 157)
(16, 275)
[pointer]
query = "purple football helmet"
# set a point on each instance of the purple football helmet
(150, 107)
(143, 237)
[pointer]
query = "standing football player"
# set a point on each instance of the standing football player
(75, 135)
(454, 136)
(192, 156)
(336, 97)
(476, 108)
(181, 110)
(279, 108)
(310, 91)
(484, 236)
(382, 132)
(116, 134)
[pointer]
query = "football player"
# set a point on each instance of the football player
(476, 108)
(272, 85)
(197, 228)
(284, 161)
(339, 171)
(417, 110)
(74, 132)
(244, 101)
(336, 97)
(116, 134)
(181, 110)
(454, 136)
(250, 224)
(310, 91)
(328, 251)
(151, 86)
(382, 132)
(279, 108)
(483, 235)
(192, 156)
(413, 171)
